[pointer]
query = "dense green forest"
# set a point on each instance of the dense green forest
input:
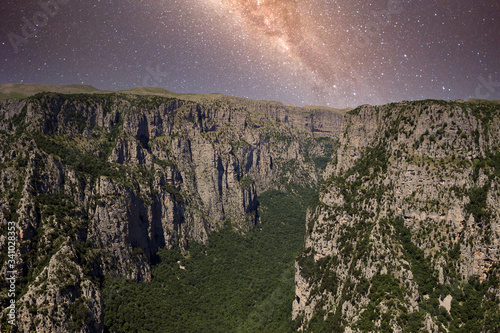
(237, 283)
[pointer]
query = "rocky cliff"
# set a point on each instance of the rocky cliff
(403, 237)
(97, 183)
(405, 234)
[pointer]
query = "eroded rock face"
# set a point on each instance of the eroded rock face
(61, 298)
(409, 211)
(98, 183)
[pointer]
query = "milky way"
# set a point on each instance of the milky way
(339, 53)
(290, 28)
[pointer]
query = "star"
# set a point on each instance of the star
(340, 53)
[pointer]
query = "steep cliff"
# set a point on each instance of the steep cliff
(97, 183)
(405, 233)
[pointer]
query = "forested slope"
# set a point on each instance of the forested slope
(237, 283)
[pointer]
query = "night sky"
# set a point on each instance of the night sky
(321, 52)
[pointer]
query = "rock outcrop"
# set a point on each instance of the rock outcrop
(408, 217)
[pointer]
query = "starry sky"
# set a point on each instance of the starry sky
(318, 52)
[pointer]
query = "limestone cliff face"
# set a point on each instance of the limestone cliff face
(403, 237)
(98, 183)
(407, 220)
